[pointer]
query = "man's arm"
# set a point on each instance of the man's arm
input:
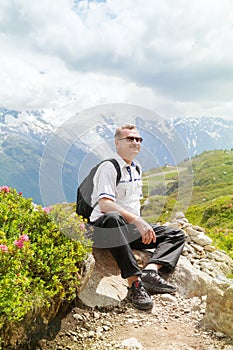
(107, 205)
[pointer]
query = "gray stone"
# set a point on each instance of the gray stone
(105, 287)
(190, 281)
(210, 248)
(197, 247)
(202, 240)
(191, 231)
(219, 306)
(170, 298)
(132, 343)
(179, 215)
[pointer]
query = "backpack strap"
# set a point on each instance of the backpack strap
(117, 167)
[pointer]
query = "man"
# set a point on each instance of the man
(120, 228)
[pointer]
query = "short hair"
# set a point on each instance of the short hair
(118, 132)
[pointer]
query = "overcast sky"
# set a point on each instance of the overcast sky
(174, 57)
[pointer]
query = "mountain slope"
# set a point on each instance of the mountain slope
(24, 137)
(194, 182)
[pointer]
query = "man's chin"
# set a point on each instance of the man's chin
(133, 155)
(135, 150)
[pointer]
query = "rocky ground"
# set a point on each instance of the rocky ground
(174, 323)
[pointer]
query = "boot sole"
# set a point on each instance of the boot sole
(158, 290)
(147, 306)
(143, 307)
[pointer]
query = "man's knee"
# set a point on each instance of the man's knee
(176, 234)
(180, 235)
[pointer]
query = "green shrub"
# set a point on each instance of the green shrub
(223, 239)
(39, 261)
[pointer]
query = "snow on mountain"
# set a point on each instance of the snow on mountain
(33, 124)
(24, 136)
(204, 133)
(198, 134)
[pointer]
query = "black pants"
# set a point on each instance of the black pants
(111, 231)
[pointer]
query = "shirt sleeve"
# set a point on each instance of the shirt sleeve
(104, 182)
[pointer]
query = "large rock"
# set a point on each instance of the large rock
(105, 286)
(189, 280)
(219, 306)
(102, 283)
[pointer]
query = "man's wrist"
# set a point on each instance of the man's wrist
(134, 219)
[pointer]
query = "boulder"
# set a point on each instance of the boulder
(105, 287)
(190, 281)
(219, 306)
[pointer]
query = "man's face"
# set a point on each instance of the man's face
(126, 147)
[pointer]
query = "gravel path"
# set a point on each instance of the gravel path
(175, 323)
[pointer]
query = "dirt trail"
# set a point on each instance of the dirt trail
(175, 323)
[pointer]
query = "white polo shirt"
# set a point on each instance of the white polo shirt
(127, 193)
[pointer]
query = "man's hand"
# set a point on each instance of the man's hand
(145, 230)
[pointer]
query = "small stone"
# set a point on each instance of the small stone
(210, 248)
(132, 343)
(220, 335)
(78, 317)
(203, 298)
(179, 215)
(186, 310)
(91, 334)
(168, 297)
(132, 320)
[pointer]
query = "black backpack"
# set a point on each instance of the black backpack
(85, 189)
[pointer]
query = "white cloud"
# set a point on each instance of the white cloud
(175, 57)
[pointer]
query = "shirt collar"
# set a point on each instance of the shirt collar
(123, 163)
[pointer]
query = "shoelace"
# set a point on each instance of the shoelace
(142, 291)
(157, 277)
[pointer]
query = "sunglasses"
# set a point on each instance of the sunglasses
(132, 138)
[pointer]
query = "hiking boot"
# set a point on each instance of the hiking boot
(154, 284)
(139, 297)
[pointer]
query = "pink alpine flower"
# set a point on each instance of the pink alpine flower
(24, 238)
(47, 209)
(82, 227)
(5, 189)
(4, 248)
(20, 241)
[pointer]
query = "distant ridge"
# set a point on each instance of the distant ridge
(24, 134)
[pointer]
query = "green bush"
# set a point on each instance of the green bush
(223, 239)
(39, 261)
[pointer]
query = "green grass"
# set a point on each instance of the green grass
(210, 176)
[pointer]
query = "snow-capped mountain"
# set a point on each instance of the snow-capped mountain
(25, 137)
(202, 134)
(33, 124)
